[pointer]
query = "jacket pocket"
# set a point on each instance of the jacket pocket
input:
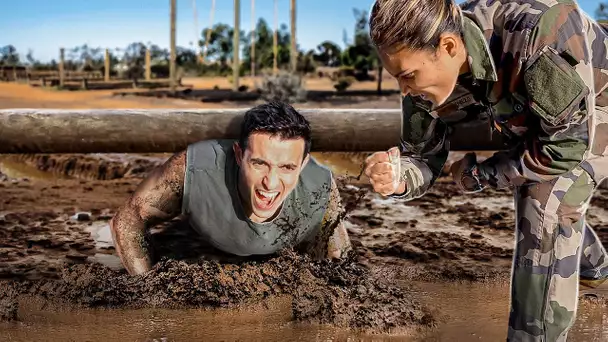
(555, 90)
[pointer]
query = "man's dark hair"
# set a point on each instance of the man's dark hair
(275, 118)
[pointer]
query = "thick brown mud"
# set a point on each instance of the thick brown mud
(340, 293)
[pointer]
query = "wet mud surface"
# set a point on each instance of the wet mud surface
(342, 293)
(91, 166)
(54, 243)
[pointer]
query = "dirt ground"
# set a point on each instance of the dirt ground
(54, 239)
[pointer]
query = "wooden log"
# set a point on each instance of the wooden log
(167, 130)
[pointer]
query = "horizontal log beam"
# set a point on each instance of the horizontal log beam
(171, 130)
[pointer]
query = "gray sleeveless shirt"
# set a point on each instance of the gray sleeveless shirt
(212, 204)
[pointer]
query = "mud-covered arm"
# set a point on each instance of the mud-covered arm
(339, 243)
(558, 79)
(331, 240)
(158, 198)
(423, 148)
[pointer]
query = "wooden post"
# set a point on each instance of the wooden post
(236, 65)
(294, 51)
(253, 36)
(197, 46)
(171, 130)
(106, 70)
(208, 33)
(148, 65)
(61, 67)
(275, 39)
(172, 71)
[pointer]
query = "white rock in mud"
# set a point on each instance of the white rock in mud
(82, 216)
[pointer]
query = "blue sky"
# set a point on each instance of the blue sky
(45, 25)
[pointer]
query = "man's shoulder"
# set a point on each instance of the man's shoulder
(315, 170)
(315, 176)
(208, 153)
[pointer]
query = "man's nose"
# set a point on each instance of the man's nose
(271, 180)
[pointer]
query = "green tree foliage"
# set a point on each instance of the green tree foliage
(602, 12)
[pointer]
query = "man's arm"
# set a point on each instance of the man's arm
(158, 198)
(331, 240)
(339, 243)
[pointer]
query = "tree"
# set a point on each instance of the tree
(328, 54)
(361, 55)
(30, 58)
(220, 47)
(263, 47)
(9, 55)
(602, 12)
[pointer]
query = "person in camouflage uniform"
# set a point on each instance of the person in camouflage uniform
(532, 72)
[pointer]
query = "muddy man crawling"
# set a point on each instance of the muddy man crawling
(253, 196)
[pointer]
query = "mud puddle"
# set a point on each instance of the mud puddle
(479, 312)
(464, 311)
(17, 170)
(268, 322)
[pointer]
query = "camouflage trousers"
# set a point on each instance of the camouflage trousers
(554, 246)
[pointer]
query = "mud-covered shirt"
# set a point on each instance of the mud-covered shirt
(538, 70)
(212, 204)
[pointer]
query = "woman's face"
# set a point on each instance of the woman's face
(429, 74)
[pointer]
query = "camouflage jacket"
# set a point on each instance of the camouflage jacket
(538, 68)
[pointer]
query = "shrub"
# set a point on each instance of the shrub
(284, 87)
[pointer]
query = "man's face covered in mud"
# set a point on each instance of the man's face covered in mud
(269, 170)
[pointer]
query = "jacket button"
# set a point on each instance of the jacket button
(518, 108)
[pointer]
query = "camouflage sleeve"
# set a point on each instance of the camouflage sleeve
(423, 148)
(557, 78)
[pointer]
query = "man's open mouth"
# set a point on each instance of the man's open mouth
(266, 199)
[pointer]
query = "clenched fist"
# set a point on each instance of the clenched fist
(383, 170)
(468, 174)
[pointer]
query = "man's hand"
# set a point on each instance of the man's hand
(384, 170)
(468, 174)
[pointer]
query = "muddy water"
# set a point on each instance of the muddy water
(270, 322)
(18, 170)
(466, 312)
(479, 312)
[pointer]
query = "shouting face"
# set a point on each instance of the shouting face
(269, 170)
(431, 75)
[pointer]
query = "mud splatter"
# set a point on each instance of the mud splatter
(346, 294)
(8, 304)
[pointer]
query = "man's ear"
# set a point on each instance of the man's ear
(238, 153)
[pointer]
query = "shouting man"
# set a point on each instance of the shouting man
(253, 196)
